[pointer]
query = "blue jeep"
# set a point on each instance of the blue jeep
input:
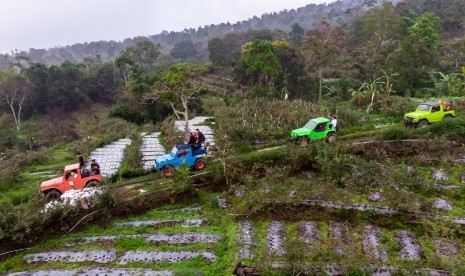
(181, 154)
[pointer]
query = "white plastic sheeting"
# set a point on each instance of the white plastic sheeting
(150, 149)
(84, 199)
(110, 156)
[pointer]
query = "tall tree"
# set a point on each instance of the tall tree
(144, 54)
(137, 59)
(454, 51)
(216, 52)
(292, 63)
(15, 91)
(232, 48)
(104, 83)
(66, 90)
(373, 37)
(184, 49)
(126, 66)
(260, 63)
(178, 87)
(38, 76)
(418, 52)
(322, 48)
(296, 35)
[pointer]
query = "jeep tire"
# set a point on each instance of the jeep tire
(52, 195)
(303, 141)
(199, 165)
(331, 137)
(92, 184)
(167, 171)
(423, 123)
(447, 117)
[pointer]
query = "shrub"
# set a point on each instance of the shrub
(16, 222)
(106, 200)
(123, 111)
(7, 133)
(396, 133)
(452, 129)
(334, 163)
(395, 106)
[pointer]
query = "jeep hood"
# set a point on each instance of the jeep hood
(416, 114)
(162, 159)
(303, 131)
(52, 183)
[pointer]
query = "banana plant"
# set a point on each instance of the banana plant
(387, 81)
(371, 87)
(451, 84)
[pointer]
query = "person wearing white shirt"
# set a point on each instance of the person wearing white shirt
(334, 122)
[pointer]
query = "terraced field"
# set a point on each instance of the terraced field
(205, 240)
(291, 225)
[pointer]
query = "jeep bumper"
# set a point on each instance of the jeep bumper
(409, 122)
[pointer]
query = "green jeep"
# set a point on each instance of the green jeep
(427, 113)
(314, 129)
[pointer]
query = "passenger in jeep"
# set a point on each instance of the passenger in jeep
(71, 174)
(94, 168)
(191, 140)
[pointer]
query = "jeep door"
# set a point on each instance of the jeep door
(319, 132)
(71, 180)
(436, 114)
(180, 157)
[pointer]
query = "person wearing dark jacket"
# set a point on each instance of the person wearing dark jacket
(192, 139)
(94, 167)
(200, 138)
(80, 160)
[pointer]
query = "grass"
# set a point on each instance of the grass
(31, 176)
(219, 223)
(223, 224)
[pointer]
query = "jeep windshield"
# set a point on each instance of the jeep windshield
(310, 124)
(423, 107)
(174, 150)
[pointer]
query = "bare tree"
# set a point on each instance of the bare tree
(178, 88)
(15, 91)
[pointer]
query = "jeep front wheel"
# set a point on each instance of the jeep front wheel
(422, 123)
(199, 165)
(303, 141)
(331, 138)
(52, 195)
(168, 171)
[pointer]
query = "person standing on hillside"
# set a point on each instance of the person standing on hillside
(334, 122)
(80, 160)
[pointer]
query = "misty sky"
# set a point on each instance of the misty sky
(41, 24)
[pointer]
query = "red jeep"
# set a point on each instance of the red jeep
(72, 178)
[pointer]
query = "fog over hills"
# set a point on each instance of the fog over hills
(337, 12)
